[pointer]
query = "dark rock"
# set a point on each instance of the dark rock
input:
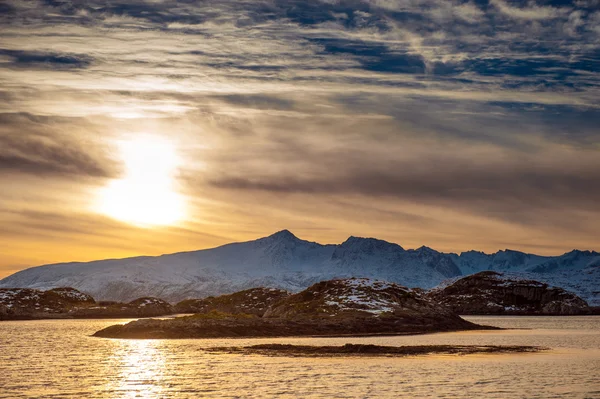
(59, 303)
(371, 350)
(254, 301)
(27, 303)
(356, 301)
(142, 307)
(494, 293)
(148, 306)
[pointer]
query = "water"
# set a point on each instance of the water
(59, 359)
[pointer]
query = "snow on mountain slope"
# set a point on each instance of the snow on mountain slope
(507, 260)
(284, 261)
(281, 258)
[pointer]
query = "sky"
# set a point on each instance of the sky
(142, 127)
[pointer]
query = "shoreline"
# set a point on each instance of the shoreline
(254, 327)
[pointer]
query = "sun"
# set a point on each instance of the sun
(146, 195)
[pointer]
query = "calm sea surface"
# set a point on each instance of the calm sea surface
(59, 359)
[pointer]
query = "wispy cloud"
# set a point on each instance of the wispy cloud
(33, 145)
(44, 60)
(531, 11)
(470, 115)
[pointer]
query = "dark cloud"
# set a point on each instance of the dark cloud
(529, 67)
(39, 150)
(349, 13)
(374, 57)
(505, 124)
(46, 60)
(38, 158)
(7, 9)
(518, 191)
(514, 166)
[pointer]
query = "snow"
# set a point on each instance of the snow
(367, 295)
(284, 261)
(9, 295)
(149, 301)
(369, 283)
(371, 305)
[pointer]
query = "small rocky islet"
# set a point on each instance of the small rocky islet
(371, 350)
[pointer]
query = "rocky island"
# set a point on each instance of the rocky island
(493, 293)
(355, 306)
(69, 303)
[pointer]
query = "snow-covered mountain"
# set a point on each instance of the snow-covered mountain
(284, 261)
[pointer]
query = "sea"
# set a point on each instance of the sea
(60, 359)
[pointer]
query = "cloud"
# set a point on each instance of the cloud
(468, 123)
(45, 60)
(493, 183)
(38, 150)
(259, 101)
(533, 12)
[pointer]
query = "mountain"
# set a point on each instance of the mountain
(284, 261)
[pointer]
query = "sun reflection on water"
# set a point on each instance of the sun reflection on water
(60, 359)
(140, 365)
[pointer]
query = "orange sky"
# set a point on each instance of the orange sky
(125, 133)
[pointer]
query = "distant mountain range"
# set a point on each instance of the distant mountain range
(284, 261)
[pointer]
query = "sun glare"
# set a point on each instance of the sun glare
(146, 195)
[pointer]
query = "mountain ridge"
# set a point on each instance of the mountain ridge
(282, 260)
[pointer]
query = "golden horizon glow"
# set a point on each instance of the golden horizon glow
(146, 196)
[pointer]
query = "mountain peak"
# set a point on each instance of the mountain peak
(512, 251)
(283, 235)
(363, 243)
(426, 249)
(578, 252)
(473, 252)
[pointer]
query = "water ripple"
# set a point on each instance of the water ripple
(59, 359)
